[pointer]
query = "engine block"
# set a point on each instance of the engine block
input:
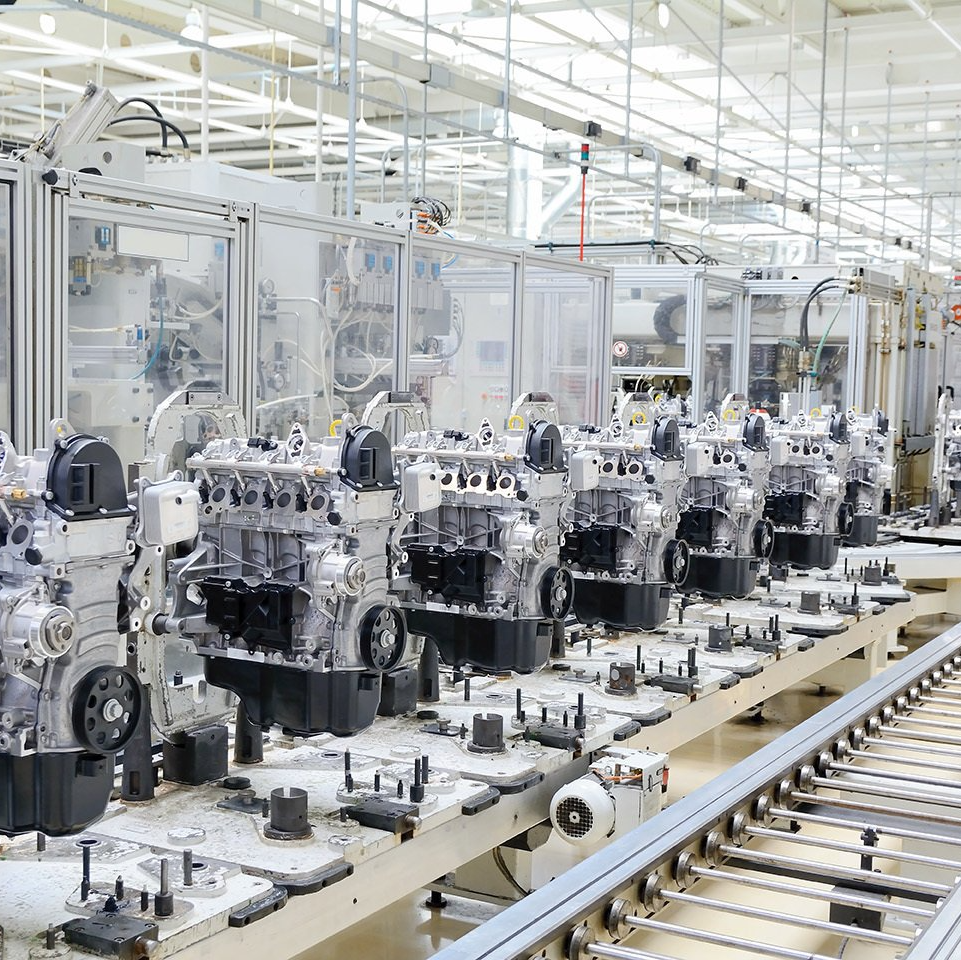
(67, 702)
(810, 457)
(623, 548)
(722, 504)
(286, 594)
(868, 476)
(481, 573)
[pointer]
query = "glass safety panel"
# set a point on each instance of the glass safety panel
(327, 320)
(461, 335)
(717, 370)
(146, 311)
(563, 311)
(6, 307)
(650, 324)
(774, 345)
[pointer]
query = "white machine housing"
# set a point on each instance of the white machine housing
(623, 789)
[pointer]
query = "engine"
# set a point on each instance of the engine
(481, 573)
(623, 548)
(286, 594)
(946, 462)
(809, 465)
(868, 476)
(67, 702)
(722, 505)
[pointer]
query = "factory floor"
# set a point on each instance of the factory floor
(408, 930)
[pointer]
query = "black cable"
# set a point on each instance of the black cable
(152, 119)
(662, 318)
(690, 249)
(505, 872)
(152, 107)
(819, 288)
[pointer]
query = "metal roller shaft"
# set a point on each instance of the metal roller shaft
(724, 940)
(874, 790)
(780, 814)
(912, 761)
(936, 712)
(611, 951)
(810, 923)
(904, 884)
(855, 848)
(800, 797)
(899, 734)
(894, 775)
(916, 747)
(812, 893)
(924, 722)
(941, 697)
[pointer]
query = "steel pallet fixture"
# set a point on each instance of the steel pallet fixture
(147, 291)
(847, 827)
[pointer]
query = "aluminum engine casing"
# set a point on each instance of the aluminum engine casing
(481, 572)
(810, 456)
(286, 594)
(67, 703)
(722, 503)
(623, 548)
(868, 475)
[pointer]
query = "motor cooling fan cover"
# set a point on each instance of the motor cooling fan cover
(582, 812)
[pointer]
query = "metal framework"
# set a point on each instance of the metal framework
(347, 92)
(43, 362)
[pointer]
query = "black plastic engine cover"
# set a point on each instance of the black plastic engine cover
(804, 551)
(784, 509)
(627, 606)
(86, 480)
(545, 448)
(864, 531)
(55, 793)
(454, 574)
(261, 614)
(302, 701)
(367, 460)
(696, 526)
(594, 548)
(490, 646)
(721, 576)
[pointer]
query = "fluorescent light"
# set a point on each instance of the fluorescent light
(664, 14)
(48, 24)
(855, 129)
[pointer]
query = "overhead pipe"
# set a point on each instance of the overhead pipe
(406, 123)
(561, 202)
(611, 197)
(352, 88)
(926, 14)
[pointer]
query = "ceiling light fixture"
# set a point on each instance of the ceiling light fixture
(855, 129)
(479, 8)
(48, 24)
(664, 14)
(193, 25)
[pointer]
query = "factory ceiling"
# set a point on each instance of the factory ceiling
(833, 127)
